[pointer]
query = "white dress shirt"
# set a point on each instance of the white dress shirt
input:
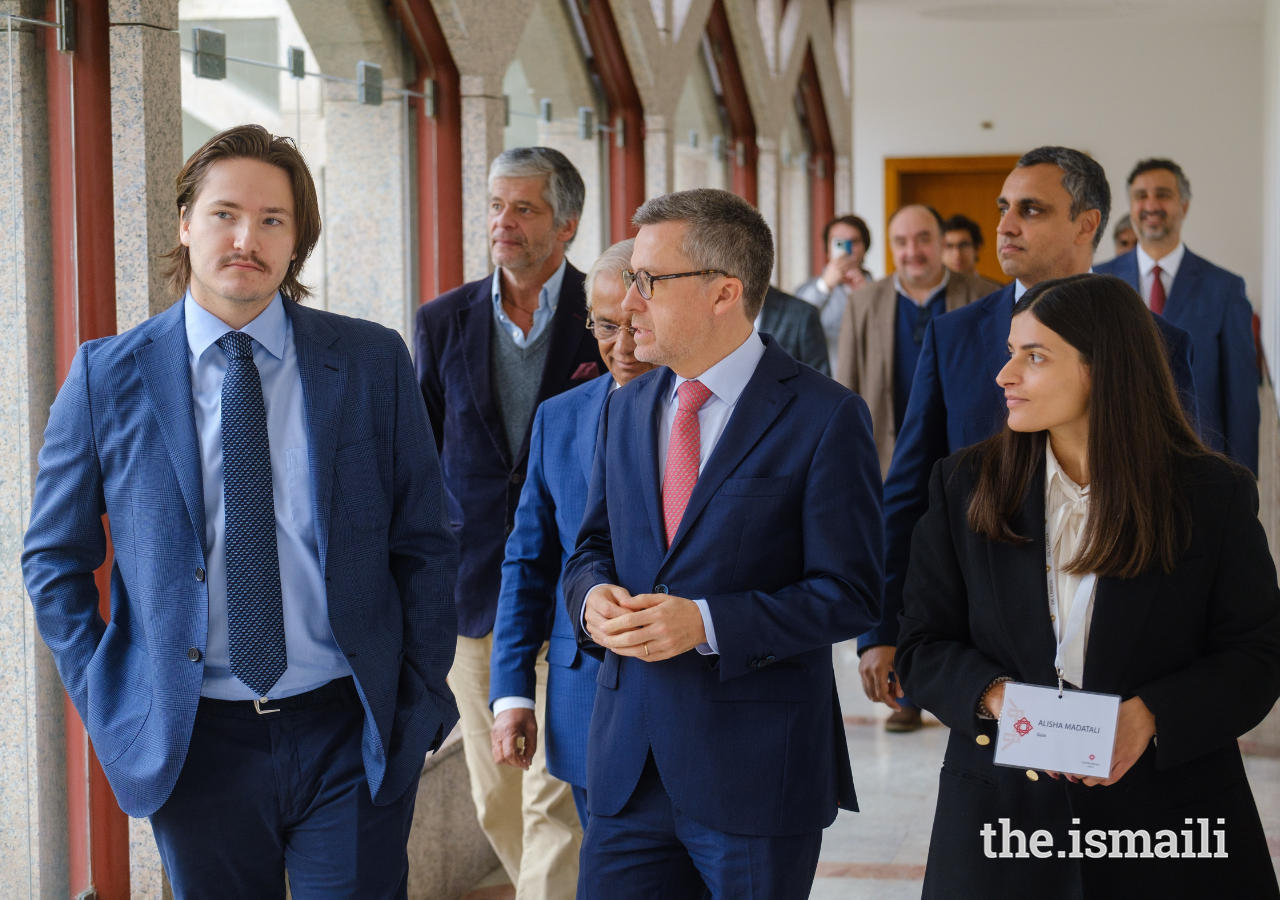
(726, 380)
(1168, 270)
(1066, 507)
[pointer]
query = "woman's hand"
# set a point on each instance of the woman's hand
(1135, 728)
(993, 699)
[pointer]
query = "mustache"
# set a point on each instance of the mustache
(251, 258)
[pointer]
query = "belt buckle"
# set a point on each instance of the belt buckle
(259, 710)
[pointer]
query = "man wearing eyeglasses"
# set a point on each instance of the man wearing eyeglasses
(732, 535)
(487, 354)
(561, 451)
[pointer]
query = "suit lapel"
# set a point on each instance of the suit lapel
(1120, 608)
(323, 371)
(762, 401)
(568, 330)
(648, 407)
(475, 323)
(1020, 584)
(1185, 287)
(589, 422)
(166, 372)
(995, 350)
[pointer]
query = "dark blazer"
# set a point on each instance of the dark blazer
(1200, 646)
(1209, 303)
(121, 440)
(531, 606)
(798, 327)
(782, 538)
(955, 402)
(482, 477)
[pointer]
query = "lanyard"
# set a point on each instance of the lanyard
(1079, 608)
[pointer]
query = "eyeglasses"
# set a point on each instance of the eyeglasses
(644, 281)
(606, 331)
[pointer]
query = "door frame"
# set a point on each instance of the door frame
(896, 167)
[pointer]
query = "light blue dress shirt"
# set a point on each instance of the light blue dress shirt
(314, 657)
(548, 299)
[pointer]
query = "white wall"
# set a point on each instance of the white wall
(1120, 88)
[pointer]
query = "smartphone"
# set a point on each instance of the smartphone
(843, 248)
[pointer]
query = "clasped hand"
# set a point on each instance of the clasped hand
(651, 627)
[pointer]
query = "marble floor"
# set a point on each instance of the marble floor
(880, 853)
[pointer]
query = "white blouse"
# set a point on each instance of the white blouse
(1066, 506)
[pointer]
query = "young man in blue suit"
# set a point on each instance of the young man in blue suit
(1053, 211)
(1207, 301)
(488, 353)
(282, 617)
(732, 535)
(531, 607)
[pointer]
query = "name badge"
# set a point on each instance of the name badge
(1071, 731)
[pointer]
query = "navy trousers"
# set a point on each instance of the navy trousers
(651, 849)
(262, 793)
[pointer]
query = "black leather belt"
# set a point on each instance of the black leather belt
(334, 691)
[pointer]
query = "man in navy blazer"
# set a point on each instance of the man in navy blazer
(273, 671)
(487, 354)
(1207, 301)
(1053, 211)
(531, 604)
(732, 535)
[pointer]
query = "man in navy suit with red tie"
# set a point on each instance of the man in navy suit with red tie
(732, 535)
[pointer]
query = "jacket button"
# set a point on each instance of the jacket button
(199, 574)
(515, 477)
(660, 589)
(755, 663)
(194, 654)
(982, 740)
(768, 659)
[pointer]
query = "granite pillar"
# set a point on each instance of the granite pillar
(659, 155)
(767, 193)
(33, 801)
(146, 151)
(482, 123)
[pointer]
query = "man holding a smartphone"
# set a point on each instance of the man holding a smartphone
(847, 240)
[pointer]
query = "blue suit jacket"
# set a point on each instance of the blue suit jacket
(531, 606)
(482, 475)
(1209, 303)
(782, 537)
(955, 402)
(121, 440)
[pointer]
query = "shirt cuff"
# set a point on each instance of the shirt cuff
(502, 704)
(711, 647)
(582, 616)
(821, 286)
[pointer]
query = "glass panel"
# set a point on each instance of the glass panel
(549, 65)
(795, 197)
(700, 133)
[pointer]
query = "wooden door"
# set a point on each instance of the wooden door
(968, 185)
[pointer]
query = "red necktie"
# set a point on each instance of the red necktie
(1157, 291)
(683, 453)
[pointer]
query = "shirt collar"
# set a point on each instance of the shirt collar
(1019, 288)
(548, 297)
(728, 378)
(204, 328)
(942, 286)
(1054, 473)
(1168, 263)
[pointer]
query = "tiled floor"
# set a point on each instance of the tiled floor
(880, 853)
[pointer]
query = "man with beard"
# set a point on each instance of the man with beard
(487, 354)
(1194, 294)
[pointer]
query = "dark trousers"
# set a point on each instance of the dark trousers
(262, 793)
(651, 849)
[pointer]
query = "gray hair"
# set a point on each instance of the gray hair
(1124, 223)
(564, 190)
(1082, 178)
(1168, 165)
(611, 261)
(723, 232)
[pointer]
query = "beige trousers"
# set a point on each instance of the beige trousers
(529, 817)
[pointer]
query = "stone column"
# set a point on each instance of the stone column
(659, 155)
(482, 123)
(767, 194)
(33, 800)
(146, 151)
(844, 185)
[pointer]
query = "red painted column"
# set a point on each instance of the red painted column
(81, 214)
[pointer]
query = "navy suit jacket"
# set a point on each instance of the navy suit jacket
(1209, 303)
(531, 606)
(955, 402)
(121, 440)
(782, 538)
(482, 476)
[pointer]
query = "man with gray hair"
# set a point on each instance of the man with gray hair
(731, 536)
(487, 354)
(1053, 212)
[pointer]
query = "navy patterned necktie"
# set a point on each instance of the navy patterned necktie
(255, 611)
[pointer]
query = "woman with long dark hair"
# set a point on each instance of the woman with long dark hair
(1097, 492)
